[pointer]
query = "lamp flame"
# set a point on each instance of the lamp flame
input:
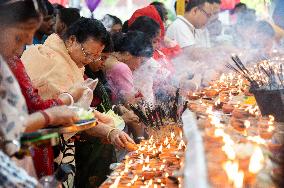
(256, 161)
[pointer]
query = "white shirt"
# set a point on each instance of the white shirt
(182, 31)
(202, 38)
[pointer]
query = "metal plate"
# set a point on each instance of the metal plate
(71, 129)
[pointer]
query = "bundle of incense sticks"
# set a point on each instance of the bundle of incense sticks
(163, 111)
(265, 75)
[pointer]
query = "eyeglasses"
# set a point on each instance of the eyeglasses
(208, 15)
(89, 56)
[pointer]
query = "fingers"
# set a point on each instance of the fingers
(129, 139)
(118, 142)
(123, 138)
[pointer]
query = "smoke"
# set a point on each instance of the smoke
(251, 39)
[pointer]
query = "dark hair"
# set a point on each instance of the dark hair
(49, 7)
(160, 7)
(265, 27)
(20, 11)
(125, 27)
(69, 15)
(215, 1)
(195, 3)
(109, 44)
(134, 42)
(58, 6)
(241, 6)
(85, 28)
(115, 19)
(146, 25)
(246, 18)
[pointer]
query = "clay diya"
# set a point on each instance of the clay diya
(240, 113)
(193, 96)
(211, 92)
(238, 124)
(228, 108)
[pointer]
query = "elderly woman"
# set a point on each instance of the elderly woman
(19, 21)
(58, 65)
(62, 61)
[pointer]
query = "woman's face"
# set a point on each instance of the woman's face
(99, 65)
(116, 28)
(156, 41)
(14, 38)
(133, 62)
(86, 52)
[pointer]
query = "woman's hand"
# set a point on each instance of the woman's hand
(61, 115)
(130, 117)
(120, 138)
(104, 119)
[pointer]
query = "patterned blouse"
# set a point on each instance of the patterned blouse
(13, 112)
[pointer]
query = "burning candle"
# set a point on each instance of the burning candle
(116, 182)
(247, 123)
(239, 178)
(256, 161)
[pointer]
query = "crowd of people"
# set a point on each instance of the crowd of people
(51, 58)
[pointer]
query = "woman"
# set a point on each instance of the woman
(64, 18)
(62, 61)
(162, 68)
(112, 23)
(167, 48)
(130, 50)
(19, 21)
(33, 99)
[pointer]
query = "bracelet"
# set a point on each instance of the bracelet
(108, 134)
(70, 97)
(46, 117)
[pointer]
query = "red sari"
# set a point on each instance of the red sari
(33, 99)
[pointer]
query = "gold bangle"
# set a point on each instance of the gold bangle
(108, 134)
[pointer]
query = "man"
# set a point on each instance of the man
(64, 18)
(203, 34)
(184, 28)
(46, 27)
(187, 31)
